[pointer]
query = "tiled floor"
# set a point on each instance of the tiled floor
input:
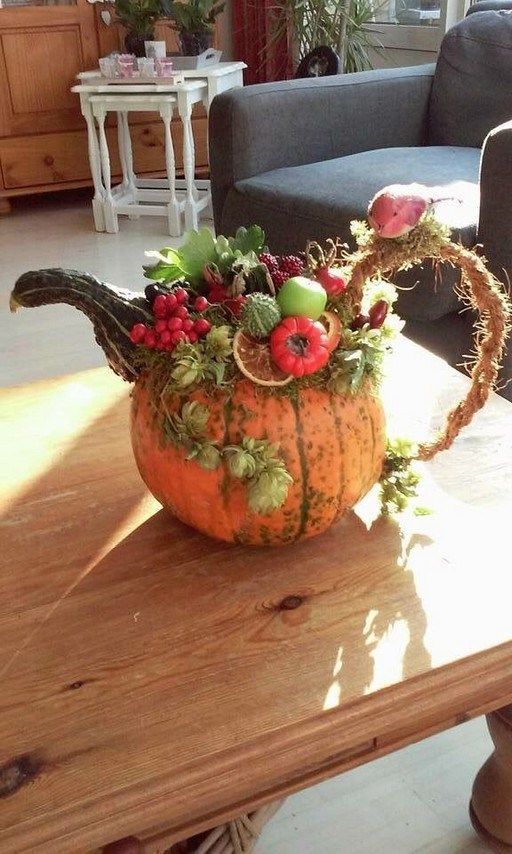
(412, 801)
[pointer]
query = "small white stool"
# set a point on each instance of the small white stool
(129, 196)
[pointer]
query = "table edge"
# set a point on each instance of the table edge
(302, 752)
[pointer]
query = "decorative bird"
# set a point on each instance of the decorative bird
(396, 209)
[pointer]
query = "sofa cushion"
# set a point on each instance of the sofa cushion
(318, 201)
(472, 90)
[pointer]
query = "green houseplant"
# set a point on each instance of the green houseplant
(139, 18)
(193, 22)
(343, 26)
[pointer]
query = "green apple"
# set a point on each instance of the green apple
(302, 297)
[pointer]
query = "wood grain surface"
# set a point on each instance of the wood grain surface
(153, 678)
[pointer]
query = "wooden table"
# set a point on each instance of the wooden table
(155, 682)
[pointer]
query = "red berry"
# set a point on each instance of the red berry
(175, 324)
(178, 336)
(192, 336)
(280, 277)
(187, 324)
(377, 313)
(160, 325)
(138, 333)
(160, 306)
(181, 295)
(359, 321)
(165, 337)
(181, 312)
(200, 303)
(150, 338)
(171, 302)
(202, 326)
(269, 260)
(292, 265)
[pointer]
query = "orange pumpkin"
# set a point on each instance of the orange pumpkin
(333, 447)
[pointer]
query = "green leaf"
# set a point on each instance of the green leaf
(269, 491)
(162, 272)
(185, 375)
(208, 456)
(195, 417)
(241, 463)
(218, 343)
(198, 250)
(247, 240)
(422, 511)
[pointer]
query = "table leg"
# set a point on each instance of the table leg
(121, 149)
(110, 214)
(173, 208)
(95, 165)
(189, 168)
(128, 154)
(491, 801)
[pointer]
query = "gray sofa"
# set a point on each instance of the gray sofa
(303, 157)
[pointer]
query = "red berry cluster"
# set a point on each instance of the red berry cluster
(173, 322)
(282, 268)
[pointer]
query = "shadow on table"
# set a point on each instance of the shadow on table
(328, 620)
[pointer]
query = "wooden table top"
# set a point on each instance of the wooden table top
(151, 677)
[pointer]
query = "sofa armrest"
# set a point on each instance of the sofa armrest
(494, 229)
(294, 122)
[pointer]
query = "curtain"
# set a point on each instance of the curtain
(254, 28)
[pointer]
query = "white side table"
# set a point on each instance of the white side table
(137, 196)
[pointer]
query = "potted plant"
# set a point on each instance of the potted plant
(193, 22)
(343, 26)
(139, 18)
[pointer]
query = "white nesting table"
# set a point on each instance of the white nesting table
(137, 196)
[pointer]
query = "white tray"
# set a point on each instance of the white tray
(135, 80)
(207, 59)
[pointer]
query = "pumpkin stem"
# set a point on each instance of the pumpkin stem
(112, 311)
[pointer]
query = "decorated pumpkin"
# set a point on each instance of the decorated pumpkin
(256, 416)
(329, 451)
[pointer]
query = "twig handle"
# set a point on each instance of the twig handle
(484, 293)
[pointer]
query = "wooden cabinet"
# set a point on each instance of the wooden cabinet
(43, 143)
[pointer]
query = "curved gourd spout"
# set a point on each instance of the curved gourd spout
(112, 311)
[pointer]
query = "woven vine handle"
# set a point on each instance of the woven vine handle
(479, 289)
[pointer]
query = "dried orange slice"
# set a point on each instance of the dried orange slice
(254, 360)
(332, 323)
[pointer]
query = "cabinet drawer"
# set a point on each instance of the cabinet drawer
(44, 159)
(57, 158)
(149, 150)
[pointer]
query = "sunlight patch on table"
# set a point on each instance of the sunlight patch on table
(46, 426)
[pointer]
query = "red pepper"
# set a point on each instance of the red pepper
(299, 346)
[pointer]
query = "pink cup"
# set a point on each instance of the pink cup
(164, 67)
(126, 65)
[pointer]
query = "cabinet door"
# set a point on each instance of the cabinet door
(42, 48)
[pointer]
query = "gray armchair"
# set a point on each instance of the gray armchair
(304, 157)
